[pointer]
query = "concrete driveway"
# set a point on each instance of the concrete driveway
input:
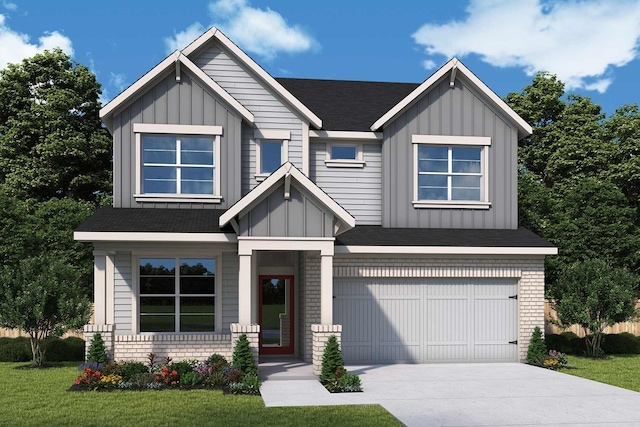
(505, 394)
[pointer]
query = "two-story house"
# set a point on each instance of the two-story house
(294, 209)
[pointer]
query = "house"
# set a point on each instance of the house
(292, 210)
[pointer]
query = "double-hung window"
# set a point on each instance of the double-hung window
(450, 171)
(176, 161)
(272, 150)
(177, 294)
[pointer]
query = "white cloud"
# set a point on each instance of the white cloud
(263, 32)
(9, 5)
(428, 64)
(14, 46)
(118, 80)
(580, 41)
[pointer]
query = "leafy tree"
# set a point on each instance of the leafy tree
(52, 143)
(594, 295)
(42, 297)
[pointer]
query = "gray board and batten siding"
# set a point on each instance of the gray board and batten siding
(358, 190)
(299, 216)
(269, 110)
(458, 111)
(180, 103)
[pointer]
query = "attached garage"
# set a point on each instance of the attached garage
(419, 320)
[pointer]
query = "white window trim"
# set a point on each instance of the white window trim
(135, 295)
(145, 128)
(442, 140)
(358, 162)
(270, 135)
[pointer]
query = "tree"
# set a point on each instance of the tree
(42, 297)
(97, 350)
(594, 295)
(331, 360)
(52, 143)
(537, 350)
(243, 355)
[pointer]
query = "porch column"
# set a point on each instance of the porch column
(244, 289)
(326, 289)
(99, 287)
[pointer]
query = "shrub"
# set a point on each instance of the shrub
(142, 380)
(216, 359)
(89, 378)
(331, 360)
(97, 350)
(233, 374)
(216, 379)
(191, 378)
(15, 349)
(243, 356)
(181, 368)
(622, 343)
(63, 350)
(130, 369)
(249, 385)
(350, 383)
(537, 351)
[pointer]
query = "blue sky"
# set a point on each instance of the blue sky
(591, 45)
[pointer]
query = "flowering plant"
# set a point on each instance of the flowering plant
(110, 380)
(555, 360)
(167, 376)
(89, 377)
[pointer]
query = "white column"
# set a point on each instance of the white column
(326, 289)
(110, 308)
(99, 287)
(244, 289)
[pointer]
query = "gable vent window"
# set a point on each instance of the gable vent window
(344, 155)
(450, 172)
(178, 163)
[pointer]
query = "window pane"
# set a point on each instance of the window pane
(197, 174)
(159, 179)
(157, 276)
(432, 181)
(198, 267)
(197, 285)
(430, 152)
(157, 266)
(465, 153)
(197, 158)
(343, 153)
(428, 193)
(196, 144)
(158, 323)
(159, 149)
(196, 187)
(157, 285)
(465, 160)
(433, 166)
(157, 305)
(465, 182)
(197, 305)
(197, 323)
(465, 194)
(159, 172)
(271, 153)
(196, 151)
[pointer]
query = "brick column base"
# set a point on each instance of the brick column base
(106, 331)
(320, 334)
(253, 335)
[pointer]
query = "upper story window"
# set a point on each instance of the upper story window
(177, 161)
(272, 150)
(344, 155)
(451, 172)
(177, 294)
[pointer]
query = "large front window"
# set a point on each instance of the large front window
(177, 294)
(178, 164)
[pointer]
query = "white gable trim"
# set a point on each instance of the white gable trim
(214, 33)
(255, 195)
(524, 129)
(174, 58)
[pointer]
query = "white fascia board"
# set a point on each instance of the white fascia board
(346, 135)
(445, 250)
(100, 236)
(138, 85)
(265, 187)
(524, 129)
(213, 32)
(217, 89)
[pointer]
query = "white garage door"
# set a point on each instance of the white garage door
(422, 320)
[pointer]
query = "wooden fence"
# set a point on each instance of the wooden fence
(631, 327)
(13, 333)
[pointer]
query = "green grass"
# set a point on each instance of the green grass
(37, 397)
(619, 370)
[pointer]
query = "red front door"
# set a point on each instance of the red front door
(276, 314)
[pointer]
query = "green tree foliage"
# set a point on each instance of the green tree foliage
(331, 360)
(594, 295)
(579, 181)
(97, 350)
(52, 143)
(537, 350)
(41, 296)
(243, 356)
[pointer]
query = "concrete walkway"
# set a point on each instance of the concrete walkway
(505, 394)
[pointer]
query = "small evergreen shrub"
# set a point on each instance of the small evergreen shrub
(331, 360)
(250, 384)
(97, 350)
(350, 383)
(216, 359)
(131, 369)
(181, 368)
(243, 356)
(537, 351)
(15, 349)
(191, 378)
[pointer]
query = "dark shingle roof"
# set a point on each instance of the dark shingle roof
(374, 235)
(141, 220)
(347, 105)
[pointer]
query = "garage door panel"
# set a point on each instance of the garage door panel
(398, 321)
(447, 320)
(409, 353)
(446, 352)
(357, 342)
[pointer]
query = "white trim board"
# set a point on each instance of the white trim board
(524, 129)
(445, 250)
(116, 236)
(340, 134)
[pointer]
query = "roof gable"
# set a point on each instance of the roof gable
(343, 220)
(453, 67)
(215, 34)
(177, 60)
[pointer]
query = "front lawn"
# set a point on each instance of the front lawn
(619, 370)
(37, 397)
